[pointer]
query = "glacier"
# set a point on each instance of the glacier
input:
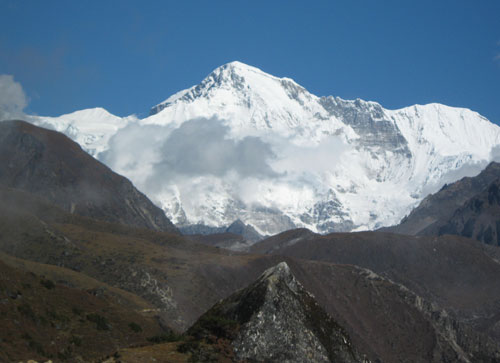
(246, 145)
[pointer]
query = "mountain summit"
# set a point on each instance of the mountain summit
(249, 100)
(246, 145)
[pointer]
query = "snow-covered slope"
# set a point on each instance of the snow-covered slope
(247, 145)
(251, 102)
(91, 128)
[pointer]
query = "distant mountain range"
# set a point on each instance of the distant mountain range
(245, 145)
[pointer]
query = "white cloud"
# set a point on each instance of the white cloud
(199, 164)
(12, 98)
(150, 155)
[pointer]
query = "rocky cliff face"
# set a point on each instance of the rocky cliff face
(370, 121)
(275, 319)
(50, 165)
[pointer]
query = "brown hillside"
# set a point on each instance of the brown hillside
(50, 165)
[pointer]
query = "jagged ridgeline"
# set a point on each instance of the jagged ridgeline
(281, 157)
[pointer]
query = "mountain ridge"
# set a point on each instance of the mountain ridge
(317, 161)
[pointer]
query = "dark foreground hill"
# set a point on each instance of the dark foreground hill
(273, 320)
(182, 280)
(49, 164)
(276, 319)
(385, 321)
(453, 272)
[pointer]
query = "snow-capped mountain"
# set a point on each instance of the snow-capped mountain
(91, 128)
(246, 145)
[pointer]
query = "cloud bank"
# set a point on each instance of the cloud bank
(154, 155)
(201, 164)
(12, 98)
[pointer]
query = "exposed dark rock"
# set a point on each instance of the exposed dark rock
(369, 121)
(469, 207)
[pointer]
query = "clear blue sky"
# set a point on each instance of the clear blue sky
(126, 56)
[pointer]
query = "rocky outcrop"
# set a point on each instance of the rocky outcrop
(371, 123)
(276, 319)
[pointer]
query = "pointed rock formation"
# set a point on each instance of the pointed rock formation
(276, 319)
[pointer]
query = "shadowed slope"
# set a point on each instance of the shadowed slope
(479, 217)
(49, 164)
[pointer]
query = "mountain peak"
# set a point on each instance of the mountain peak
(243, 82)
(252, 74)
(309, 161)
(279, 272)
(236, 66)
